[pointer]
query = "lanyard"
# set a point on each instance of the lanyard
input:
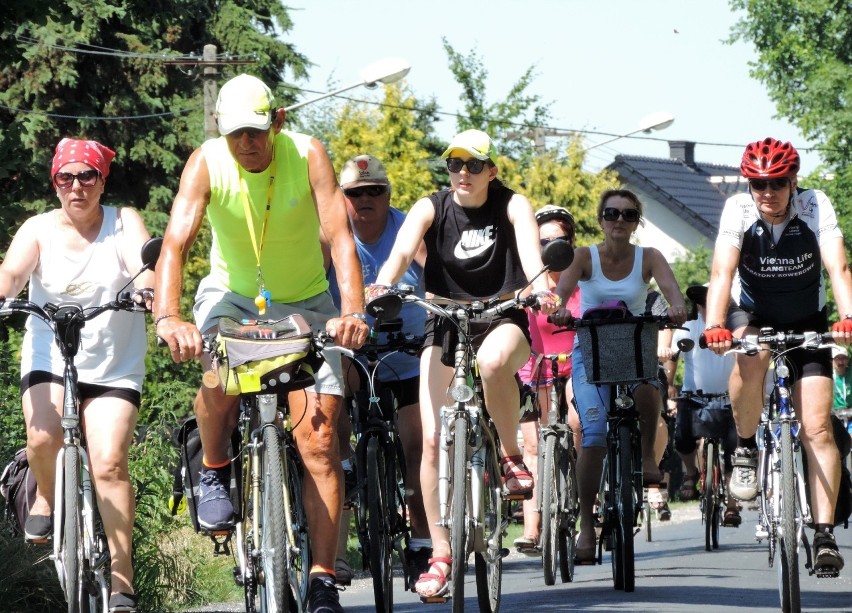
(263, 296)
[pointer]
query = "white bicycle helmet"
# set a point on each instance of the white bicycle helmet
(549, 212)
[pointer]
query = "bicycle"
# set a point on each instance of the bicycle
(80, 551)
(381, 518)
(782, 481)
(557, 478)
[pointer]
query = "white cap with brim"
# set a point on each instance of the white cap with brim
(475, 142)
(837, 352)
(244, 102)
(363, 170)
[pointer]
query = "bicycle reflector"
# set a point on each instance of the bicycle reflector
(461, 393)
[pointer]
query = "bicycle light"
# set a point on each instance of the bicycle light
(461, 393)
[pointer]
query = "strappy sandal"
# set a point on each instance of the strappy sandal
(658, 498)
(513, 467)
(440, 595)
(688, 489)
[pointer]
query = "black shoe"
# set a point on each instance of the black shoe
(827, 559)
(342, 572)
(38, 528)
(416, 563)
(122, 602)
(215, 510)
(323, 596)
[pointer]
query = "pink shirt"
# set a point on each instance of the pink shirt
(545, 342)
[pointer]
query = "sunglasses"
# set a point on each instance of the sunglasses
(370, 190)
(87, 178)
(545, 241)
(776, 185)
(474, 166)
(612, 214)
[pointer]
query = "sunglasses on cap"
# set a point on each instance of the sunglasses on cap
(776, 185)
(474, 166)
(628, 215)
(87, 178)
(370, 190)
(545, 241)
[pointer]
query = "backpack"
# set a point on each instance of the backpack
(18, 487)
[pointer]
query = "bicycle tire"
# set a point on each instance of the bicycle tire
(626, 506)
(788, 570)
(299, 557)
(569, 506)
(381, 546)
(550, 512)
(272, 527)
(710, 510)
(646, 519)
(69, 550)
(458, 504)
(609, 533)
(489, 564)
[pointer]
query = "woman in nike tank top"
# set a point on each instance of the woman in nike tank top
(481, 242)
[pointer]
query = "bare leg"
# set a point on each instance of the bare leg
(818, 439)
(589, 469)
(42, 405)
(411, 437)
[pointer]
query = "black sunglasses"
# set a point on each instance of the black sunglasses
(370, 190)
(776, 185)
(474, 166)
(87, 178)
(545, 241)
(612, 213)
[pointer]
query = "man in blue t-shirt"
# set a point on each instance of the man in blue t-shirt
(375, 223)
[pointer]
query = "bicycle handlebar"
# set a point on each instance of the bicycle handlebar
(750, 344)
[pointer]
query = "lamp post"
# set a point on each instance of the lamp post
(384, 71)
(654, 121)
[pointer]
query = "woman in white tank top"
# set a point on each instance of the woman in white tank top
(615, 269)
(83, 252)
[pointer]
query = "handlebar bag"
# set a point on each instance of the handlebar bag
(18, 487)
(266, 357)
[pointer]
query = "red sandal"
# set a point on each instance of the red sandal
(443, 586)
(513, 467)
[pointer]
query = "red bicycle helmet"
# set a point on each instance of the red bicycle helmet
(769, 159)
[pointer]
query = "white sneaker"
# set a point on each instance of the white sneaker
(743, 485)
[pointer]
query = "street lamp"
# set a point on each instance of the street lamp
(384, 71)
(654, 121)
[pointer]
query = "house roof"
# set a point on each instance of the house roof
(695, 192)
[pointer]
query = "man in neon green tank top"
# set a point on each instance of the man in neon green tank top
(266, 193)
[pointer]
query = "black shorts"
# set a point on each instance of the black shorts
(406, 391)
(802, 363)
(440, 332)
(85, 391)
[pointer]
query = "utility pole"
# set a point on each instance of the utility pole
(210, 63)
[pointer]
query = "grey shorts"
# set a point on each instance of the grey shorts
(212, 302)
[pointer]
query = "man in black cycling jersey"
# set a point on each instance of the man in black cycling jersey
(772, 245)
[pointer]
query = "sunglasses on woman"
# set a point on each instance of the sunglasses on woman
(628, 215)
(87, 178)
(474, 166)
(776, 185)
(545, 241)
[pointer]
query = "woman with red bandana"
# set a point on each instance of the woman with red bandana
(83, 252)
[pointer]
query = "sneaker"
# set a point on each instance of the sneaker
(38, 528)
(215, 510)
(122, 602)
(416, 563)
(743, 484)
(826, 554)
(323, 596)
(342, 572)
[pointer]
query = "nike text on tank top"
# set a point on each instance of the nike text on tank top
(632, 289)
(291, 259)
(472, 253)
(113, 344)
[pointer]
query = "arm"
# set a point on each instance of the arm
(21, 259)
(833, 254)
(526, 235)
(663, 275)
(348, 332)
(579, 269)
(408, 243)
(726, 257)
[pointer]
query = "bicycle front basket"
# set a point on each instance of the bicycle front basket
(265, 357)
(619, 352)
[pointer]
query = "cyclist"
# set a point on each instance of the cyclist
(481, 242)
(767, 258)
(375, 224)
(83, 252)
(842, 377)
(615, 269)
(554, 223)
(708, 372)
(266, 193)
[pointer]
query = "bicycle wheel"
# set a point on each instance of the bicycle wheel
(273, 552)
(550, 512)
(568, 507)
(489, 563)
(299, 557)
(70, 552)
(626, 506)
(458, 514)
(646, 518)
(381, 546)
(788, 570)
(610, 533)
(710, 509)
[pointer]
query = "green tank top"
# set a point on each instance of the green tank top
(291, 259)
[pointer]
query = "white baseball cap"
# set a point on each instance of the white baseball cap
(363, 170)
(244, 102)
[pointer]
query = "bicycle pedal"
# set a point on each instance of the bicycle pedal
(518, 497)
(827, 572)
(505, 552)
(434, 599)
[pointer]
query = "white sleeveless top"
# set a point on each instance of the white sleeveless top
(632, 289)
(113, 344)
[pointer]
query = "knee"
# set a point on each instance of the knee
(42, 443)
(109, 467)
(818, 434)
(320, 448)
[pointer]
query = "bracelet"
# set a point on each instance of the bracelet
(713, 327)
(162, 317)
(361, 316)
(848, 316)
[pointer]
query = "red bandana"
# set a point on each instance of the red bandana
(89, 152)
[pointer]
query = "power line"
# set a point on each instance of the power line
(95, 118)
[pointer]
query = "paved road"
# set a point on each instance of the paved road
(673, 573)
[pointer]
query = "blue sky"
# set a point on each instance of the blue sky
(604, 65)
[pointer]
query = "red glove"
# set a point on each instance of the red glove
(844, 326)
(717, 335)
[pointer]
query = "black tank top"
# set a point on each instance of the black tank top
(472, 253)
